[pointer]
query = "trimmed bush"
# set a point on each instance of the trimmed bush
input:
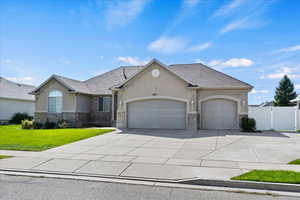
(27, 124)
(248, 124)
(19, 117)
(50, 125)
(63, 124)
(37, 125)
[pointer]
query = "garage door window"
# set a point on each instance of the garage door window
(104, 104)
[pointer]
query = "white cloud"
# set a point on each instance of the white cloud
(233, 62)
(250, 16)
(121, 13)
(64, 61)
(198, 60)
(253, 91)
(297, 86)
(229, 8)
(167, 44)
(201, 47)
(25, 80)
(132, 60)
(289, 71)
(101, 57)
(289, 49)
(7, 61)
(190, 3)
(238, 62)
(237, 24)
(264, 91)
(214, 63)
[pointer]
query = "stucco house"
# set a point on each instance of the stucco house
(179, 96)
(14, 98)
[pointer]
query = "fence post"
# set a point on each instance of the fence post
(272, 118)
(297, 112)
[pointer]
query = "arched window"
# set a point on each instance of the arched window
(55, 101)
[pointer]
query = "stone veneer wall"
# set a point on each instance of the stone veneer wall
(99, 118)
(76, 119)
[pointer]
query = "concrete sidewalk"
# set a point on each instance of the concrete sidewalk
(208, 169)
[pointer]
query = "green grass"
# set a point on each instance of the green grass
(274, 176)
(12, 137)
(295, 162)
(2, 156)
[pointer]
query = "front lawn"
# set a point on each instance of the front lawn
(275, 176)
(2, 156)
(295, 162)
(12, 137)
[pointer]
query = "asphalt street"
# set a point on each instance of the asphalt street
(30, 188)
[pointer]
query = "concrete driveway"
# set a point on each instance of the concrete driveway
(187, 148)
(166, 154)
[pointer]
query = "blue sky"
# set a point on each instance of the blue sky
(256, 41)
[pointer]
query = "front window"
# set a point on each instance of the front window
(55, 102)
(104, 103)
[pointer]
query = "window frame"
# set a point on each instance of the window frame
(55, 95)
(102, 104)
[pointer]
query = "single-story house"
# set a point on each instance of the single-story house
(179, 96)
(14, 98)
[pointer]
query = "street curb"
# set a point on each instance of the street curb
(245, 184)
(195, 184)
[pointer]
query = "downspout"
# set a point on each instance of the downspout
(76, 115)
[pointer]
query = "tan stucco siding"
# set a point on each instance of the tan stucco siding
(241, 95)
(42, 97)
(83, 103)
(166, 85)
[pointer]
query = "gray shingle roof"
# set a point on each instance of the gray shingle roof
(196, 74)
(75, 85)
(12, 90)
(206, 77)
(101, 84)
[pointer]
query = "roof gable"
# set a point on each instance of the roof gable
(62, 80)
(143, 69)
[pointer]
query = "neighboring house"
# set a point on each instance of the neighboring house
(180, 96)
(15, 97)
(264, 104)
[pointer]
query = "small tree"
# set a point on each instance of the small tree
(285, 92)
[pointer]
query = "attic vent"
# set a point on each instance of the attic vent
(125, 77)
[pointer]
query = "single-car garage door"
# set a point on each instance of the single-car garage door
(156, 113)
(219, 114)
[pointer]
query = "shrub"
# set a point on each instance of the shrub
(50, 125)
(63, 124)
(248, 124)
(37, 125)
(27, 124)
(19, 117)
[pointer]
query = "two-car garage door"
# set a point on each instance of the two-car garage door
(170, 114)
(156, 113)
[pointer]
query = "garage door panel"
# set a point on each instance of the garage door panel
(219, 114)
(157, 114)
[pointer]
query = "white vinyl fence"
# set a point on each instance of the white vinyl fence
(275, 118)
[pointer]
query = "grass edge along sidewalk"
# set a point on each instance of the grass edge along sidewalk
(13, 137)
